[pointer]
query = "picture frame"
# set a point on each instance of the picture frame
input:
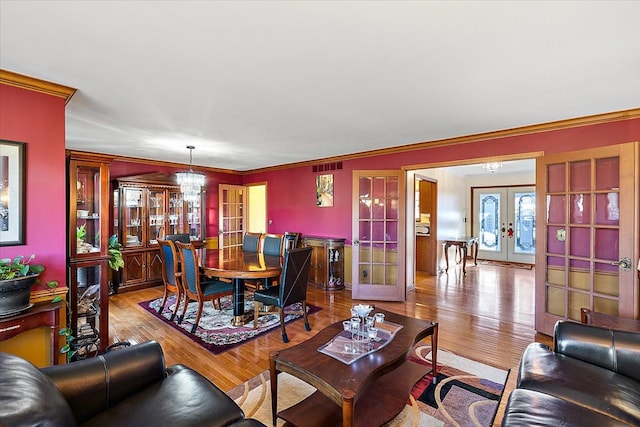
(324, 190)
(12, 193)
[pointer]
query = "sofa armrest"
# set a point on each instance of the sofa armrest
(617, 351)
(90, 386)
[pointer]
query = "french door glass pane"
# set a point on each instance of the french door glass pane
(607, 209)
(579, 241)
(580, 176)
(556, 178)
(580, 210)
(490, 222)
(525, 223)
(607, 176)
(555, 209)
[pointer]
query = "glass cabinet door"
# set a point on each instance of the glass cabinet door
(132, 216)
(89, 312)
(194, 215)
(156, 208)
(176, 213)
(88, 203)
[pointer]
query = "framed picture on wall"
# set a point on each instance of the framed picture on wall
(324, 190)
(12, 193)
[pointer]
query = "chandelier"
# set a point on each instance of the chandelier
(191, 182)
(492, 167)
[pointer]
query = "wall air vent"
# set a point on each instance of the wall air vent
(326, 167)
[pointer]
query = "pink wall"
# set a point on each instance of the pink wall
(291, 192)
(119, 169)
(39, 120)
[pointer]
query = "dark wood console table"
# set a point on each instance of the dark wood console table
(462, 244)
(43, 314)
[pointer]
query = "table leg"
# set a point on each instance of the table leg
(238, 302)
(347, 408)
(434, 353)
(475, 254)
(273, 379)
(463, 248)
(446, 255)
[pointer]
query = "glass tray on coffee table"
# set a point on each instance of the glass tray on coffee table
(348, 347)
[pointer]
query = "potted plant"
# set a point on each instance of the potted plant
(116, 262)
(17, 277)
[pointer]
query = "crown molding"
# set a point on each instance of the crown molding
(37, 85)
(523, 130)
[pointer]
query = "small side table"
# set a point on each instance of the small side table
(461, 244)
(43, 314)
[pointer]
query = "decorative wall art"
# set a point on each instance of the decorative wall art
(12, 193)
(324, 190)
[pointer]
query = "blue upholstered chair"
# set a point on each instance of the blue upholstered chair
(170, 275)
(292, 289)
(251, 242)
(196, 289)
(272, 244)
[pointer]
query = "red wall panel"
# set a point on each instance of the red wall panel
(38, 120)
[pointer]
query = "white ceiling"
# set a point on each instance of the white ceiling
(256, 84)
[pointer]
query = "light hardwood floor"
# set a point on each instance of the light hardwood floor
(486, 315)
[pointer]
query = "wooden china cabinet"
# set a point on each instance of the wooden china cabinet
(327, 262)
(147, 208)
(88, 259)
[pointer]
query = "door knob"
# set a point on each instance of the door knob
(624, 264)
(356, 242)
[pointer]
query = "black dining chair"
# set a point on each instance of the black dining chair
(196, 289)
(251, 242)
(292, 289)
(170, 275)
(291, 240)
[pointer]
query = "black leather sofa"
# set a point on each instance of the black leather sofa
(590, 378)
(129, 387)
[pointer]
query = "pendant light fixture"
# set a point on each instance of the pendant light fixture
(190, 182)
(492, 167)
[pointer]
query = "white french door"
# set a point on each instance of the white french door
(505, 222)
(232, 215)
(378, 235)
(588, 240)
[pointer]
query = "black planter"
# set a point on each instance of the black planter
(14, 294)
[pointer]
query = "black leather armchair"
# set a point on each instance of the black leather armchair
(591, 377)
(129, 387)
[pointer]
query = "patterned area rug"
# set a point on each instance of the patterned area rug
(215, 332)
(467, 393)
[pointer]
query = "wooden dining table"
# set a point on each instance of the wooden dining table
(235, 264)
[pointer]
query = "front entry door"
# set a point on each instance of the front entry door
(505, 223)
(586, 250)
(378, 235)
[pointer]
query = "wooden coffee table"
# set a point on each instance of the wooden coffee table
(368, 392)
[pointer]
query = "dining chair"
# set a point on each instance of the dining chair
(196, 289)
(170, 275)
(272, 244)
(291, 240)
(251, 242)
(180, 237)
(292, 289)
